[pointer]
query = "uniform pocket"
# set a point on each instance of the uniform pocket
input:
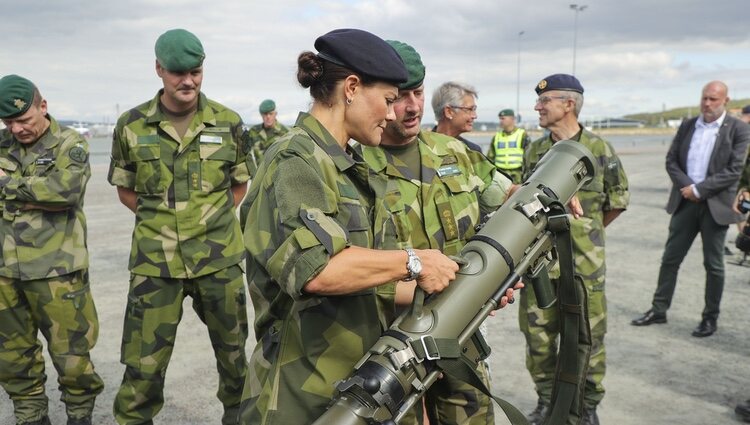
(132, 340)
(216, 164)
(147, 168)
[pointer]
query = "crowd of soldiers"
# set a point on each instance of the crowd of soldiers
(336, 236)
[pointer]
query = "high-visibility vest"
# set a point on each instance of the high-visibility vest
(508, 149)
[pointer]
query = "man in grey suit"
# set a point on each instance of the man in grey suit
(704, 162)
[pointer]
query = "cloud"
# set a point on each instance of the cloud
(93, 58)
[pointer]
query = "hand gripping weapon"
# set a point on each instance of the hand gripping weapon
(523, 237)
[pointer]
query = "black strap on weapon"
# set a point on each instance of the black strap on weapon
(575, 331)
(575, 337)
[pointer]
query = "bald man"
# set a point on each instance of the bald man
(705, 162)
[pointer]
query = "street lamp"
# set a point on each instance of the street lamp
(518, 79)
(577, 8)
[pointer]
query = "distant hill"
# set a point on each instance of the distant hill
(659, 118)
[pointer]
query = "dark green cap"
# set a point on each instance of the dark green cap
(267, 106)
(16, 95)
(179, 50)
(413, 62)
(506, 113)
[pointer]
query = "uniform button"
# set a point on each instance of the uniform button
(311, 216)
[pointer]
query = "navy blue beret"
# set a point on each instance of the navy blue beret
(564, 82)
(364, 53)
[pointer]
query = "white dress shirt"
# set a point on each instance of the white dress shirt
(701, 147)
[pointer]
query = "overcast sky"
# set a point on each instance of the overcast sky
(93, 58)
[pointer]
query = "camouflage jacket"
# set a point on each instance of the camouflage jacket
(185, 222)
(458, 187)
(260, 139)
(608, 191)
(309, 201)
(50, 173)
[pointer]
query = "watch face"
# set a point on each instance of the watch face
(415, 265)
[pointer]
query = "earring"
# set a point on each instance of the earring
(348, 101)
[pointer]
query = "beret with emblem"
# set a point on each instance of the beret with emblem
(506, 113)
(364, 53)
(413, 63)
(16, 95)
(267, 106)
(179, 50)
(563, 82)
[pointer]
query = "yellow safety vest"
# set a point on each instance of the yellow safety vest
(508, 149)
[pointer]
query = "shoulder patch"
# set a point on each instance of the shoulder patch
(78, 154)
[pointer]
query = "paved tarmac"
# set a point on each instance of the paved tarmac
(656, 375)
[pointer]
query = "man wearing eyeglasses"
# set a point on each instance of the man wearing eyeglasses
(455, 108)
(603, 199)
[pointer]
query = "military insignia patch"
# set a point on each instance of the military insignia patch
(542, 84)
(19, 103)
(78, 154)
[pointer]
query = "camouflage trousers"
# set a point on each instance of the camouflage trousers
(516, 176)
(63, 310)
(453, 402)
(541, 328)
(153, 312)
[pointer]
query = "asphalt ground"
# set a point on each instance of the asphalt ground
(656, 375)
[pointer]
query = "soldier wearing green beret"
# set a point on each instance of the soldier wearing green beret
(436, 191)
(602, 200)
(260, 136)
(44, 283)
(312, 267)
(178, 162)
(507, 145)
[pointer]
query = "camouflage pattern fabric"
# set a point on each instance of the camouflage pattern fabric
(260, 138)
(309, 201)
(153, 313)
(43, 273)
(51, 173)
(185, 223)
(438, 210)
(608, 191)
(62, 308)
(186, 234)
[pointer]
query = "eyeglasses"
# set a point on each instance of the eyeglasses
(543, 100)
(464, 108)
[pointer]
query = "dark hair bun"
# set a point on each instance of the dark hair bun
(309, 68)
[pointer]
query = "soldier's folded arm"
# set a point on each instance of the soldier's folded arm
(56, 189)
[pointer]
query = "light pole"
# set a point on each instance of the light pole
(518, 79)
(577, 8)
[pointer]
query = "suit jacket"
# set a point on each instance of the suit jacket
(724, 168)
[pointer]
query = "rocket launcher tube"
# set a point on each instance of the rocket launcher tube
(400, 367)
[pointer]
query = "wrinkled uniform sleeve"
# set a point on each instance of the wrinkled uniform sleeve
(62, 184)
(121, 170)
(240, 171)
(615, 183)
(307, 235)
(496, 185)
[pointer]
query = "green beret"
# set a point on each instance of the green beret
(16, 95)
(413, 62)
(506, 113)
(267, 106)
(179, 50)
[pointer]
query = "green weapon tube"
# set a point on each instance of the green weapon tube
(399, 368)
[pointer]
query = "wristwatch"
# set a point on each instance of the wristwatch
(413, 264)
